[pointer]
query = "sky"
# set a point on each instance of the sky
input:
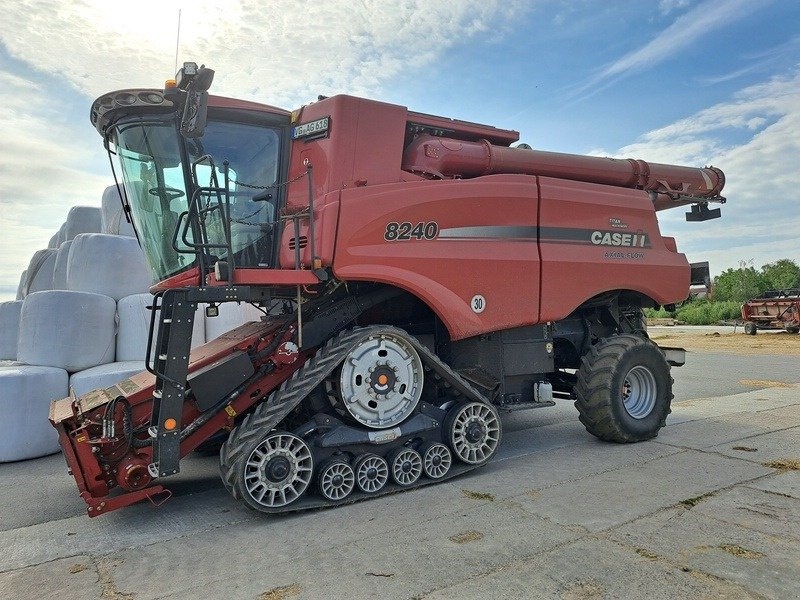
(714, 82)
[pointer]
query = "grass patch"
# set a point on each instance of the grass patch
(281, 593)
(466, 536)
(740, 552)
(646, 553)
(765, 383)
(478, 495)
(784, 464)
(690, 502)
(745, 449)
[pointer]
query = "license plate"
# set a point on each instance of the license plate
(315, 128)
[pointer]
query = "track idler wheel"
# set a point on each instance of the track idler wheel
(473, 431)
(406, 465)
(372, 473)
(277, 471)
(436, 460)
(336, 480)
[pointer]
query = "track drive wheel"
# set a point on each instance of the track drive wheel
(624, 389)
(380, 382)
(275, 471)
(406, 466)
(473, 430)
(372, 472)
(750, 328)
(336, 479)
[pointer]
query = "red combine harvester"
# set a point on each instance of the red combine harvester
(417, 275)
(774, 309)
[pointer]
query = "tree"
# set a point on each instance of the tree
(739, 285)
(781, 275)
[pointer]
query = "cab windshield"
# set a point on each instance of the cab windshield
(156, 163)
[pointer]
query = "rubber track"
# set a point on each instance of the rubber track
(594, 377)
(292, 391)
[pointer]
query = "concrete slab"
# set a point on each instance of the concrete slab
(746, 506)
(764, 448)
(343, 553)
(783, 483)
(601, 501)
(762, 563)
(75, 577)
(591, 569)
(698, 408)
(511, 475)
(140, 525)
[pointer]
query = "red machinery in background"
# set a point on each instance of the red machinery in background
(774, 309)
(417, 274)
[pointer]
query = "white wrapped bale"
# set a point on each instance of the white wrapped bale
(9, 329)
(11, 363)
(103, 376)
(111, 265)
(21, 287)
(60, 268)
(134, 324)
(53, 243)
(231, 315)
(25, 395)
(62, 234)
(113, 219)
(81, 219)
(39, 275)
(69, 330)
(125, 228)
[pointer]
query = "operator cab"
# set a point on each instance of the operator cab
(201, 193)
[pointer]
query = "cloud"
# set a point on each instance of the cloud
(284, 51)
(667, 6)
(762, 219)
(42, 172)
(682, 33)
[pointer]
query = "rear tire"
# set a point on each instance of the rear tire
(624, 389)
(750, 328)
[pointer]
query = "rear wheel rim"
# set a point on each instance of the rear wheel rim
(639, 392)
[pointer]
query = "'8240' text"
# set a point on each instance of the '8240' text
(399, 232)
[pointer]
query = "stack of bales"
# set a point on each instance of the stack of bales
(80, 322)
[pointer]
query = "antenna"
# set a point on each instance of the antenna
(178, 40)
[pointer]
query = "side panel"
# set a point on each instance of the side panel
(483, 244)
(598, 238)
(363, 146)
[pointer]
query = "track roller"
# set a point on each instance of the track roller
(473, 430)
(436, 460)
(372, 472)
(406, 466)
(336, 479)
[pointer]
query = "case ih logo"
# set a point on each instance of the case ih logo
(615, 238)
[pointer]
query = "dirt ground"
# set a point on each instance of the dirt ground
(702, 340)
